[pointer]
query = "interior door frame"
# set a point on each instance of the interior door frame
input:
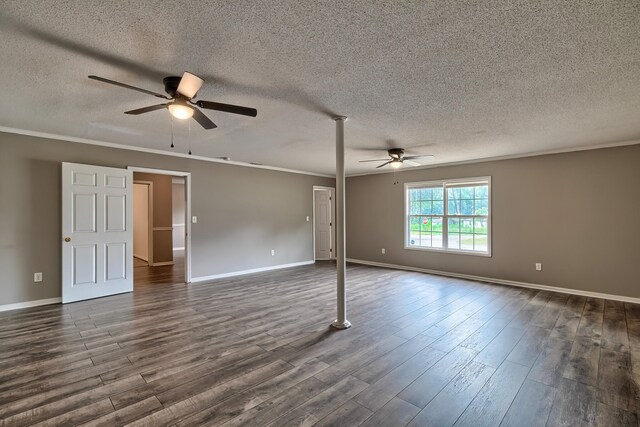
(187, 211)
(150, 219)
(332, 195)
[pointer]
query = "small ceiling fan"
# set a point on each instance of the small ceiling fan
(181, 91)
(397, 159)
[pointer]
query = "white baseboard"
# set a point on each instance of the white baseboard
(253, 270)
(500, 281)
(28, 304)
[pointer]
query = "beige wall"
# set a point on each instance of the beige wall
(576, 213)
(242, 212)
(162, 215)
(141, 221)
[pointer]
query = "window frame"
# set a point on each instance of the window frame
(445, 216)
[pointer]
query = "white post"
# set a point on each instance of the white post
(341, 322)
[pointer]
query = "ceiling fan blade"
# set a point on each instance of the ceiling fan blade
(189, 85)
(375, 160)
(204, 121)
(146, 109)
(228, 108)
(113, 82)
(410, 162)
(425, 156)
(384, 164)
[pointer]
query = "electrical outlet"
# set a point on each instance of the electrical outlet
(273, 252)
(194, 219)
(538, 266)
(383, 251)
(37, 277)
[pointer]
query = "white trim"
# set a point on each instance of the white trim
(497, 158)
(187, 212)
(253, 270)
(177, 225)
(28, 304)
(500, 281)
(179, 249)
(151, 150)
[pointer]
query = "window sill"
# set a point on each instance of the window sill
(449, 251)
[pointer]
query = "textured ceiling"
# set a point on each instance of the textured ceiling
(462, 80)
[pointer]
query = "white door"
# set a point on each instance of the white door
(97, 231)
(322, 223)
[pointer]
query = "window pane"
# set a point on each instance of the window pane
(437, 224)
(481, 207)
(466, 206)
(453, 193)
(453, 225)
(453, 207)
(466, 225)
(438, 208)
(426, 194)
(425, 207)
(425, 240)
(480, 243)
(436, 240)
(437, 193)
(414, 207)
(466, 242)
(425, 225)
(414, 194)
(480, 226)
(481, 192)
(466, 192)
(453, 242)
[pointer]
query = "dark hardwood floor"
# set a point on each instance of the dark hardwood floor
(145, 276)
(256, 350)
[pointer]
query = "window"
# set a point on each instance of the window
(449, 216)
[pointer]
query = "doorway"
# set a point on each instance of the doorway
(161, 209)
(323, 234)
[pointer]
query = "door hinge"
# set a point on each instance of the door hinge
(330, 250)
(330, 224)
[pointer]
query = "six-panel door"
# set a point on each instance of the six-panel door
(97, 231)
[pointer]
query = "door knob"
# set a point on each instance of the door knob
(67, 239)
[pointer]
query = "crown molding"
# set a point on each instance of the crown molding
(152, 151)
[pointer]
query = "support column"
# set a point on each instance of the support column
(341, 322)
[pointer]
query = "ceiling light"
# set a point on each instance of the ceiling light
(396, 163)
(180, 111)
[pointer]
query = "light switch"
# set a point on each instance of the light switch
(194, 219)
(307, 218)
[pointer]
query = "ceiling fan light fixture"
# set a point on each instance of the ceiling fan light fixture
(180, 111)
(396, 163)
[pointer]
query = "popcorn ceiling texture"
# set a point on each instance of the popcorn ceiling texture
(462, 80)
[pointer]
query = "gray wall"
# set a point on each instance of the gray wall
(242, 212)
(577, 213)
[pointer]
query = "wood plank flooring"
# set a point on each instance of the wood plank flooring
(257, 351)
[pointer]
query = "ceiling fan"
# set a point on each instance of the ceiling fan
(397, 159)
(181, 91)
